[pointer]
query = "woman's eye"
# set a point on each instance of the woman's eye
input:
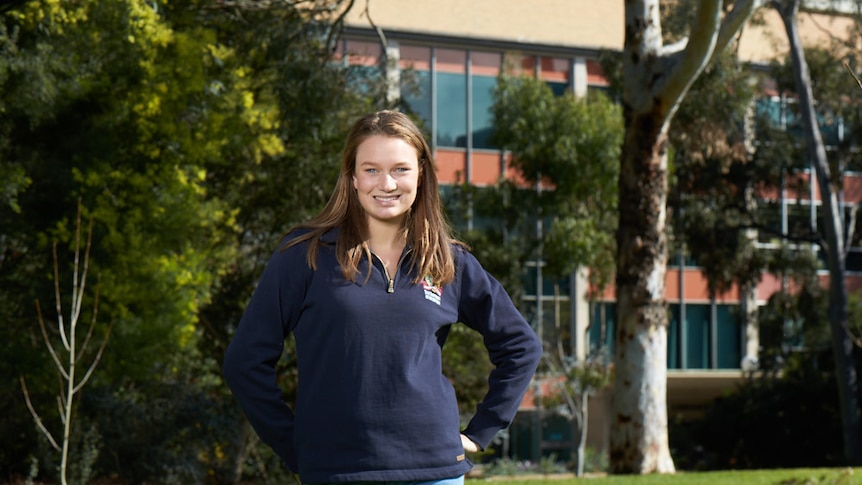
(371, 170)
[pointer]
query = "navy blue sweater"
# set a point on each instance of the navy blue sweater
(372, 403)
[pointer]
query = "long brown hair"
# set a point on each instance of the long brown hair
(425, 226)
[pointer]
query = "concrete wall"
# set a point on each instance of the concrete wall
(590, 24)
(573, 23)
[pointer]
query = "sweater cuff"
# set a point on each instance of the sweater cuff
(482, 430)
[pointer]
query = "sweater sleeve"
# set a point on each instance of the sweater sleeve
(513, 347)
(249, 365)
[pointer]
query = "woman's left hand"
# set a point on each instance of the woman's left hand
(468, 445)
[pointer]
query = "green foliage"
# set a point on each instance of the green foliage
(711, 195)
(772, 423)
(581, 379)
(195, 133)
(570, 148)
(466, 364)
(167, 431)
(789, 405)
(501, 238)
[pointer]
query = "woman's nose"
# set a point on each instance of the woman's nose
(388, 182)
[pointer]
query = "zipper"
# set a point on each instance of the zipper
(390, 288)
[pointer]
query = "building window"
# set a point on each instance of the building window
(415, 63)
(363, 59)
(729, 338)
(484, 69)
(451, 99)
(556, 72)
(710, 338)
(602, 323)
(549, 311)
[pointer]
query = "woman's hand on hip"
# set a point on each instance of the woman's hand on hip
(469, 445)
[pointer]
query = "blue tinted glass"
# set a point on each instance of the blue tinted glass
(483, 120)
(596, 327)
(854, 260)
(769, 109)
(362, 79)
(697, 336)
(558, 88)
(416, 95)
(673, 360)
(830, 128)
(729, 338)
(548, 285)
(529, 280)
(451, 110)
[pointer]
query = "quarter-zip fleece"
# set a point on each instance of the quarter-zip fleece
(372, 403)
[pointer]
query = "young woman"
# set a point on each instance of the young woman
(370, 288)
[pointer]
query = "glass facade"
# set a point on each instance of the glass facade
(548, 310)
(450, 90)
(709, 337)
(451, 97)
(484, 69)
(415, 63)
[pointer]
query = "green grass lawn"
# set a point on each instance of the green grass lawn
(802, 476)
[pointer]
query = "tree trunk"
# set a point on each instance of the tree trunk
(639, 443)
(842, 345)
(582, 439)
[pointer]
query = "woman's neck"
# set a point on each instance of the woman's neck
(385, 237)
(387, 242)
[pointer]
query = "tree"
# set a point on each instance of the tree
(566, 149)
(834, 243)
(656, 79)
(194, 133)
(576, 382)
(73, 349)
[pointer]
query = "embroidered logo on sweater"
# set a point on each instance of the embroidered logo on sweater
(432, 292)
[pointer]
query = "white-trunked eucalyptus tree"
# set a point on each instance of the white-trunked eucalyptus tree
(656, 79)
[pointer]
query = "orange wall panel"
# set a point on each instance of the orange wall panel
(671, 284)
(853, 188)
(451, 166)
(595, 75)
(485, 168)
(769, 284)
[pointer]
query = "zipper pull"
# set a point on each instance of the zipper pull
(391, 288)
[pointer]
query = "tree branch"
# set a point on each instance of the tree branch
(61, 327)
(851, 226)
(336, 26)
(383, 42)
(54, 356)
(77, 293)
(92, 328)
(687, 64)
(733, 21)
(95, 361)
(36, 415)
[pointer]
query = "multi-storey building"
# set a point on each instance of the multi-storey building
(454, 49)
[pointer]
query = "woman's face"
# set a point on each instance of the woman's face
(386, 178)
